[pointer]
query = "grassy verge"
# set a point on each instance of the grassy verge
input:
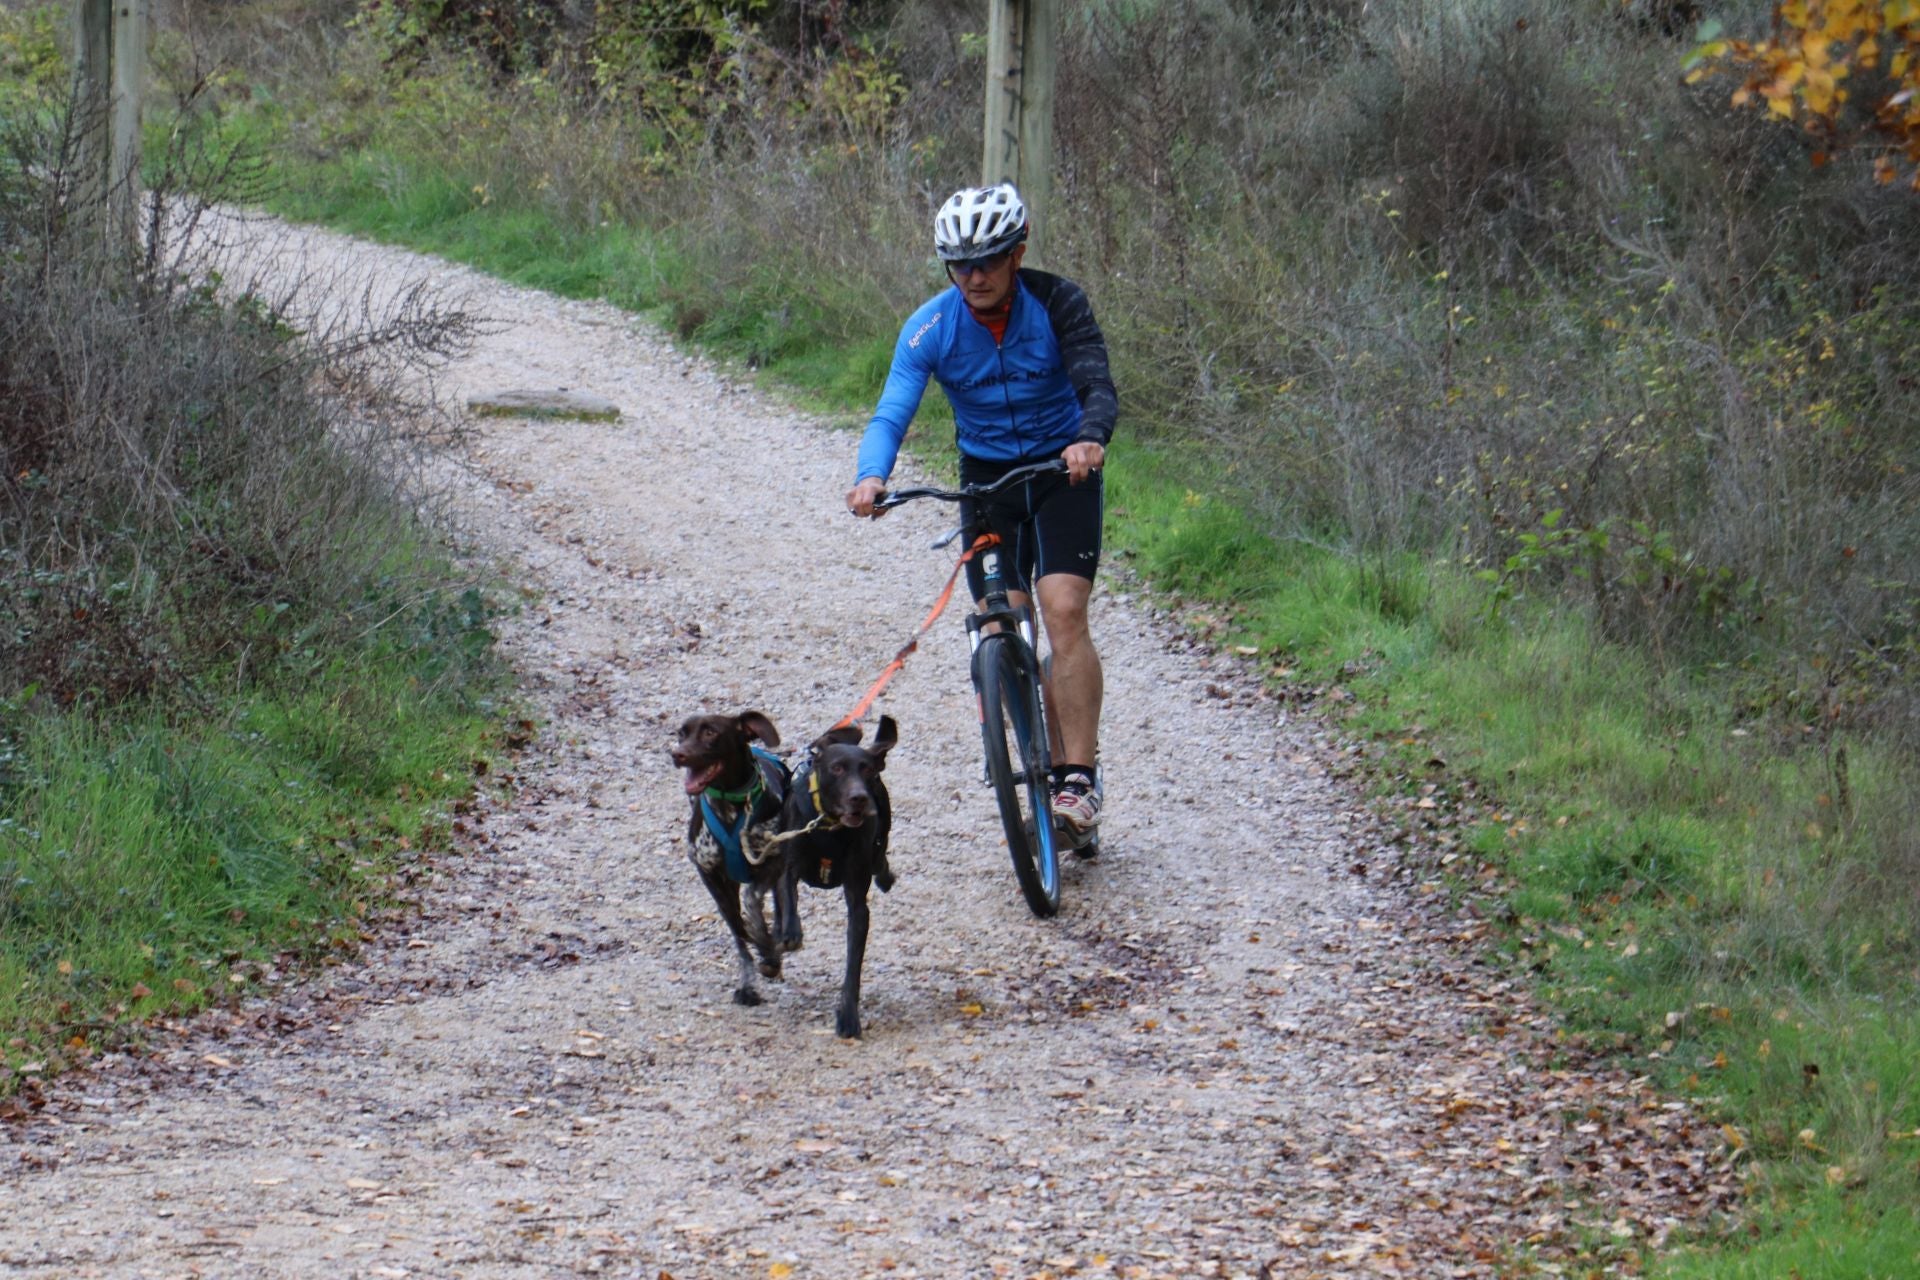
(1677, 885)
(242, 685)
(152, 863)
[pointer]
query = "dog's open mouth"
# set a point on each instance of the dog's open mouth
(699, 778)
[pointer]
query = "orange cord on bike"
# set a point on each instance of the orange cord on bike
(900, 659)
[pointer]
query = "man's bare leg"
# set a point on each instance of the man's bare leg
(1077, 686)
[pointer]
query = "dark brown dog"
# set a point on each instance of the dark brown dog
(737, 794)
(835, 830)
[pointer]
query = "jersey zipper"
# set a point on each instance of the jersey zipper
(1006, 395)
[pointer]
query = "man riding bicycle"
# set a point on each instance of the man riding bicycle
(1025, 368)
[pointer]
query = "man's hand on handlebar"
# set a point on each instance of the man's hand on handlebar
(1083, 458)
(862, 496)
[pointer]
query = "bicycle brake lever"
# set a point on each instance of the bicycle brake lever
(949, 538)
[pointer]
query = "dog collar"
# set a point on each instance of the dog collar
(746, 796)
(821, 818)
(752, 792)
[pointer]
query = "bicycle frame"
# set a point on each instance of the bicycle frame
(1008, 682)
(1000, 611)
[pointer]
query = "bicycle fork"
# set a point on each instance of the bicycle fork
(1026, 712)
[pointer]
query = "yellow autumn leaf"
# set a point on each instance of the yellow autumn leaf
(1818, 92)
(779, 1271)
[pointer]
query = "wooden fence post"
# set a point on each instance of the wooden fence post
(110, 71)
(1021, 40)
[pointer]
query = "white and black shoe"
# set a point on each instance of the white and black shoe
(1076, 803)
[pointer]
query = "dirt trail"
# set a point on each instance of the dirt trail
(1243, 1049)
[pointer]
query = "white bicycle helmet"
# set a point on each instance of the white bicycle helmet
(978, 222)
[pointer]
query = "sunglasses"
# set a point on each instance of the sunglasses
(965, 267)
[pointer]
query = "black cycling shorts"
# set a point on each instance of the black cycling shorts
(1047, 524)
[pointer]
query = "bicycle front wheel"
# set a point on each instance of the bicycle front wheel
(1015, 738)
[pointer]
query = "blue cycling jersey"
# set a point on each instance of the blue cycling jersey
(1043, 386)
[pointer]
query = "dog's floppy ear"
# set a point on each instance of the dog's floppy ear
(839, 734)
(756, 725)
(883, 739)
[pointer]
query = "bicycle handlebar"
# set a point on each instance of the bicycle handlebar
(900, 497)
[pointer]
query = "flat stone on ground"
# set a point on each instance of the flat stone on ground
(536, 403)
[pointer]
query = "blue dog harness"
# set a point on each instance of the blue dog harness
(731, 837)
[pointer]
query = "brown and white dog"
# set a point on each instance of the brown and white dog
(737, 794)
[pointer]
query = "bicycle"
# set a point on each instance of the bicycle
(1008, 679)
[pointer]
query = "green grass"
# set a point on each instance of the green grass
(1826, 1237)
(154, 862)
(1676, 876)
(1657, 856)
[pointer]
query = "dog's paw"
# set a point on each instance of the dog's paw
(883, 880)
(769, 968)
(746, 996)
(846, 1024)
(794, 943)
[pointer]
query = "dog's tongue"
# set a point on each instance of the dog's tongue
(699, 780)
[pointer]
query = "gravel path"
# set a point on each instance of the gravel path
(1248, 1046)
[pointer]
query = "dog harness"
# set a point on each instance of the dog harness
(731, 835)
(821, 818)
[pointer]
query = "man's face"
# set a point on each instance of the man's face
(987, 282)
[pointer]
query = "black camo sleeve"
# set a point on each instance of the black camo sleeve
(1083, 351)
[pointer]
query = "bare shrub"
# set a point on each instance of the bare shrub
(191, 481)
